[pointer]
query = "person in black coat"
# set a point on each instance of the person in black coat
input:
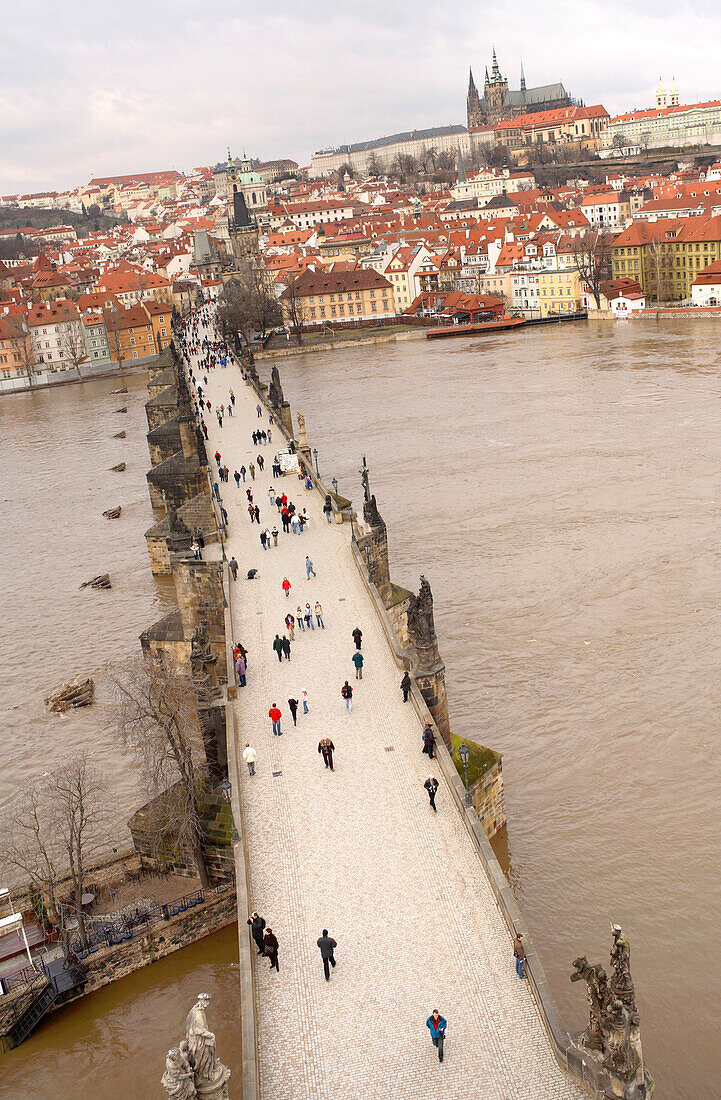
(429, 740)
(357, 637)
(270, 948)
(405, 685)
(285, 642)
(293, 705)
(257, 924)
(327, 946)
(431, 785)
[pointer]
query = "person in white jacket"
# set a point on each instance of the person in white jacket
(249, 755)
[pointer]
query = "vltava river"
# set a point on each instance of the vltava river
(561, 489)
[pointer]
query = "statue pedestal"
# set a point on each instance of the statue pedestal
(214, 1090)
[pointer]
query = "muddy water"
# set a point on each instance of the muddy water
(56, 450)
(561, 488)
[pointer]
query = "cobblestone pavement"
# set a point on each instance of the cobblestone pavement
(358, 850)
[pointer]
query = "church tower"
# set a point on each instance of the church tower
(474, 111)
(660, 95)
(495, 92)
(673, 94)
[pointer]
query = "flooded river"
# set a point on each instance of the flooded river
(561, 489)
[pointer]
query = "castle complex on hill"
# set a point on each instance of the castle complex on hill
(498, 103)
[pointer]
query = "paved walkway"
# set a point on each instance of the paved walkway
(359, 851)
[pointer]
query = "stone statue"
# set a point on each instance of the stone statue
(622, 982)
(365, 480)
(200, 642)
(275, 390)
(302, 433)
(421, 629)
(621, 1058)
(596, 995)
(176, 526)
(211, 1076)
(179, 1077)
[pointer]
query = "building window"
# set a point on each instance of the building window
(322, 311)
(374, 307)
(135, 355)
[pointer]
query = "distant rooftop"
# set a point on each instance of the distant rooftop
(393, 139)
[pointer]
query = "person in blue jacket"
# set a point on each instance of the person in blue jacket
(437, 1025)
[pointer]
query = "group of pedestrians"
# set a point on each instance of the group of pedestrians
(267, 944)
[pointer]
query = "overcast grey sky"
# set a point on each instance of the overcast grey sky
(100, 88)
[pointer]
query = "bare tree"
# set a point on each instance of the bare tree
(72, 345)
(22, 345)
(373, 166)
(155, 715)
(620, 141)
(55, 831)
(592, 257)
(660, 280)
(292, 303)
(114, 326)
(247, 304)
(644, 141)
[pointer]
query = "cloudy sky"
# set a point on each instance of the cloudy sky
(100, 88)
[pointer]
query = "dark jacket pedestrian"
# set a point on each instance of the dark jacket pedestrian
(233, 566)
(278, 646)
(347, 693)
(257, 514)
(257, 924)
(293, 705)
(519, 954)
(358, 662)
(327, 748)
(431, 785)
(236, 475)
(357, 637)
(429, 740)
(327, 946)
(437, 1025)
(285, 642)
(405, 686)
(270, 948)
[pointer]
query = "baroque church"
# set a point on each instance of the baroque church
(499, 103)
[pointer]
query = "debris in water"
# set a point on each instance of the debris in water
(113, 513)
(123, 410)
(76, 693)
(119, 435)
(119, 468)
(124, 390)
(101, 581)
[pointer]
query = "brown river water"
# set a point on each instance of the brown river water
(561, 489)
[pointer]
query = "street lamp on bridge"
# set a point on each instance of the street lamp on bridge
(464, 753)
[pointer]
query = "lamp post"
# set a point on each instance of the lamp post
(464, 754)
(315, 456)
(226, 789)
(334, 483)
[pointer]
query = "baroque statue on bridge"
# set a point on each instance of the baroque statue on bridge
(421, 628)
(192, 1069)
(275, 390)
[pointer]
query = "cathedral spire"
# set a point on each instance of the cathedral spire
(471, 81)
(495, 71)
(523, 79)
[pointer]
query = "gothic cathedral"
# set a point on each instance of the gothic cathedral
(499, 103)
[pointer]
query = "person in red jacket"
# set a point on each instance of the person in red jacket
(286, 587)
(275, 715)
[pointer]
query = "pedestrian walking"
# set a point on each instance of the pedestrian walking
(261, 462)
(431, 785)
(437, 1025)
(262, 540)
(326, 748)
(299, 617)
(251, 467)
(319, 615)
(275, 715)
(286, 647)
(293, 706)
(308, 616)
(257, 925)
(295, 524)
(357, 637)
(249, 757)
(290, 626)
(259, 411)
(358, 662)
(327, 947)
(328, 508)
(308, 567)
(405, 686)
(249, 494)
(304, 700)
(519, 954)
(243, 472)
(251, 513)
(274, 533)
(286, 587)
(270, 948)
(267, 537)
(429, 740)
(271, 496)
(347, 693)
(236, 475)
(256, 512)
(233, 566)
(195, 547)
(278, 646)
(240, 668)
